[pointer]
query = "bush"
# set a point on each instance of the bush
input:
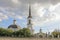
(21, 33)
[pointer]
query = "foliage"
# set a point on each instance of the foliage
(5, 32)
(25, 32)
(55, 33)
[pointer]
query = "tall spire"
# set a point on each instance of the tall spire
(29, 25)
(29, 16)
(29, 12)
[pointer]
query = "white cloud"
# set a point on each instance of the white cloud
(3, 17)
(19, 17)
(47, 15)
(40, 12)
(0, 20)
(15, 1)
(14, 15)
(40, 1)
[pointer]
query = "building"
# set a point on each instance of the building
(14, 26)
(40, 34)
(29, 24)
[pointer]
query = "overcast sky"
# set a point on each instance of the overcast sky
(45, 13)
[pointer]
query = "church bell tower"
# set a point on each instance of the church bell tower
(29, 24)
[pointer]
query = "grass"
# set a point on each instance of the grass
(10, 38)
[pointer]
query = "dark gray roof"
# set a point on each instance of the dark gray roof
(13, 26)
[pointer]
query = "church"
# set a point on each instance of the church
(16, 27)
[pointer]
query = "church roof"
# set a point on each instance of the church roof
(13, 26)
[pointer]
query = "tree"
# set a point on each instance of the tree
(25, 32)
(5, 32)
(9, 32)
(2, 32)
(55, 33)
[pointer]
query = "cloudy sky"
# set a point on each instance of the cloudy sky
(45, 13)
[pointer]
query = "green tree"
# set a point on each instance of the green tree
(55, 34)
(9, 32)
(25, 32)
(5, 32)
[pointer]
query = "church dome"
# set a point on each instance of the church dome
(14, 25)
